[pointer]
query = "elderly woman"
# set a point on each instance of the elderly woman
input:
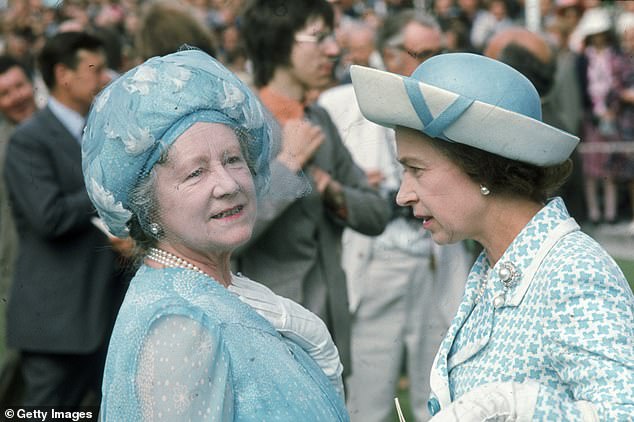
(175, 154)
(545, 330)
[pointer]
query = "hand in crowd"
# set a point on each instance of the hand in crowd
(330, 190)
(375, 178)
(300, 140)
(322, 179)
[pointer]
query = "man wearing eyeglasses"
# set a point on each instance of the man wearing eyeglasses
(403, 289)
(296, 245)
(418, 39)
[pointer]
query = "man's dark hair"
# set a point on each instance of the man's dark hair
(541, 75)
(165, 27)
(7, 62)
(269, 26)
(63, 48)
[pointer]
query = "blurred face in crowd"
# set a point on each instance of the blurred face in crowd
(78, 87)
(498, 9)
(442, 7)
(16, 95)
(470, 7)
(360, 45)
(418, 44)
(568, 17)
(313, 55)
(17, 45)
(598, 41)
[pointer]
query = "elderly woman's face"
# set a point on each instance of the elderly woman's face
(205, 191)
(439, 192)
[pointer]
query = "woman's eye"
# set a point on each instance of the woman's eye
(195, 173)
(412, 170)
(234, 159)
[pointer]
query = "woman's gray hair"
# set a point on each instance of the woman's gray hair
(144, 204)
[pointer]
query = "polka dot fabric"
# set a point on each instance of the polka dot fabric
(567, 323)
(185, 348)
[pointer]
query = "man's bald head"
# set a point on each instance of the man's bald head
(527, 52)
(531, 41)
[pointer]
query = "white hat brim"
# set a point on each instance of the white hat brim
(383, 99)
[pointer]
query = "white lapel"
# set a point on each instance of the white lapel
(515, 295)
(439, 378)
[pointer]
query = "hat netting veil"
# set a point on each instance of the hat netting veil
(135, 120)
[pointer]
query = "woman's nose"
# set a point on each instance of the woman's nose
(226, 184)
(405, 195)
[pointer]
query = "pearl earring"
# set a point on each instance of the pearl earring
(155, 229)
(484, 190)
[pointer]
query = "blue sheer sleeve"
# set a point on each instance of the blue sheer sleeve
(183, 372)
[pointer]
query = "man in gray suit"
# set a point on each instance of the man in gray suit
(296, 247)
(65, 289)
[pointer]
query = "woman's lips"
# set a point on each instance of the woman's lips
(228, 213)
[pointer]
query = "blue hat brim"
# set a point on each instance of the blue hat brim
(383, 99)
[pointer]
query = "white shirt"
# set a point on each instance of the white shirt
(70, 119)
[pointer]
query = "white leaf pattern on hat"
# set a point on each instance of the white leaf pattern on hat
(253, 116)
(138, 140)
(116, 215)
(131, 116)
(140, 82)
(102, 100)
(233, 95)
(177, 75)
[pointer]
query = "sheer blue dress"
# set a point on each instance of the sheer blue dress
(185, 348)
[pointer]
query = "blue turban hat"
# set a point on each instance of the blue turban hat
(135, 119)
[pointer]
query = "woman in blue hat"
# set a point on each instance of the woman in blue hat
(545, 330)
(175, 155)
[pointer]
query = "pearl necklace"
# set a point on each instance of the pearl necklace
(170, 260)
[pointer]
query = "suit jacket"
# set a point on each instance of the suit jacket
(296, 246)
(8, 234)
(565, 321)
(65, 288)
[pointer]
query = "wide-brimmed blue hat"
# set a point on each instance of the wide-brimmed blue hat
(137, 117)
(465, 98)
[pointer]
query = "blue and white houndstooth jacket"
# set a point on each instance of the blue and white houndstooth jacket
(566, 321)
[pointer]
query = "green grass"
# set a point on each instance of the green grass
(628, 270)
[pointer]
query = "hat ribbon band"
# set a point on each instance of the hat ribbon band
(434, 127)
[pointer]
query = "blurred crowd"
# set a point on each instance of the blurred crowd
(581, 61)
(134, 30)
